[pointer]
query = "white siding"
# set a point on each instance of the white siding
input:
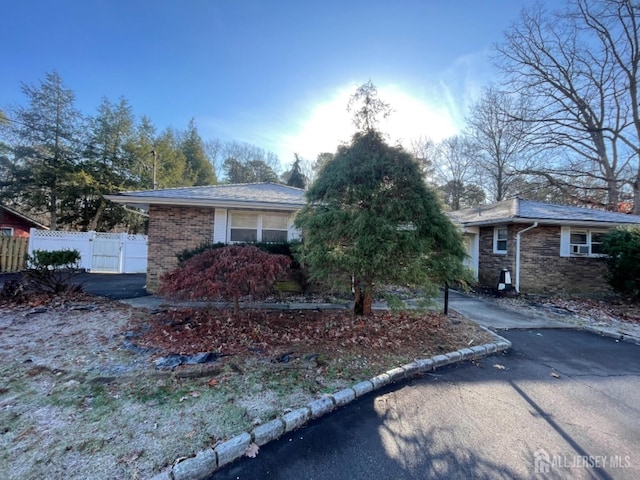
(565, 240)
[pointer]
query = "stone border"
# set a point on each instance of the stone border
(622, 337)
(208, 461)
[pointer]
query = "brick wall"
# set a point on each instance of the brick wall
(542, 269)
(491, 264)
(171, 230)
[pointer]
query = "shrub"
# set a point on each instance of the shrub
(279, 248)
(622, 247)
(13, 291)
(227, 272)
(188, 253)
(50, 271)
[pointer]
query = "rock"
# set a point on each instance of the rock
(37, 310)
(173, 360)
(84, 307)
(285, 357)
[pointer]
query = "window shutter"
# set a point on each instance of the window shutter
(220, 226)
(565, 238)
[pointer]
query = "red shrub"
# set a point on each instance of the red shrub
(228, 272)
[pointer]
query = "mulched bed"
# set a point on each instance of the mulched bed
(193, 330)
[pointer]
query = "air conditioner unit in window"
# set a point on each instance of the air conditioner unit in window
(580, 249)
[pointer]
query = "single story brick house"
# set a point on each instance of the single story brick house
(546, 247)
(184, 218)
(16, 224)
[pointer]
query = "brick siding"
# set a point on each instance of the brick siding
(542, 269)
(173, 229)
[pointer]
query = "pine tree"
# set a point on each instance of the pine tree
(296, 177)
(47, 150)
(199, 168)
(369, 216)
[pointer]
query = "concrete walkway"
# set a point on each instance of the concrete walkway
(483, 311)
(491, 315)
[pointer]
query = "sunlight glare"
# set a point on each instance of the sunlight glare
(329, 124)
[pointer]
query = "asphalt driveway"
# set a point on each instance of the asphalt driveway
(110, 285)
(560, 404)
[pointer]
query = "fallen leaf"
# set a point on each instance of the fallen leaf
(252, 450)
(212, 382)
(194, 394)
(555, 375)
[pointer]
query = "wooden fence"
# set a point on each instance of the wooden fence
(13, 254)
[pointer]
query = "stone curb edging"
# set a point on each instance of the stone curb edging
(623, 337)
(208, 461)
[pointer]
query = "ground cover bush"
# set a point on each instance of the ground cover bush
(227, 272)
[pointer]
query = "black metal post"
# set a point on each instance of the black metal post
(446, 299)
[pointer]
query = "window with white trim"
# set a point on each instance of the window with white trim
(6, 232)
(581, 242)
(248, 227)
(500, 235)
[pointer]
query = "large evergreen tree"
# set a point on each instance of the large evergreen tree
(199, 168)
(370, 217)
(46, 149)
(108, 166)
(369, 214)
(296, 177)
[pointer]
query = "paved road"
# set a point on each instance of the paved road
(486, 420)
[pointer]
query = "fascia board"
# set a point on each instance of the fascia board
(146, 201)
(545, 221)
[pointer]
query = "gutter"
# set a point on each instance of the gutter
(546, 221)
(216, 203)
(530, 227)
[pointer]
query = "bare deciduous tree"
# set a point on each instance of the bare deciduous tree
(424, 150)
(502, 144)
(578, 69)
(454, 168)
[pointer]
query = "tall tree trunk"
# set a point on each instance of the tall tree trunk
(363, 296)
(358, 298)
(53, 208)
(368, 295)
(93, 224)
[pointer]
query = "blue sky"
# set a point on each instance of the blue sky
(274, 73)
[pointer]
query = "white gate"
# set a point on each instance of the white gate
(107, 253)
(99, 252)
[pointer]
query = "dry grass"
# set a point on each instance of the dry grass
(78, 401)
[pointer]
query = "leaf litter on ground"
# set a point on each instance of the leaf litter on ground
(75, 394)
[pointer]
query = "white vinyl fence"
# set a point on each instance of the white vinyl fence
(99, 252)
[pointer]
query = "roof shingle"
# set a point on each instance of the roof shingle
(516, 209)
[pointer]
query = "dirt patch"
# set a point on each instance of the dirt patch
(81, 396)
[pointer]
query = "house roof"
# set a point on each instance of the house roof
(516, 210)
(245, 195)
(22, 216)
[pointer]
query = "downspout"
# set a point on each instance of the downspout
(530, 227)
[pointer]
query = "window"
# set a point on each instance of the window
(581, 242)
(596, 243)
(500, 235)
(247, 227)
(244, 227)
(274, 228)
(578, 242)
(6, 232)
